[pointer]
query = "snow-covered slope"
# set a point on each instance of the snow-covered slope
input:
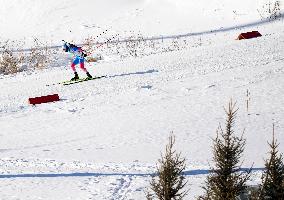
(75, 20)
(103, 138)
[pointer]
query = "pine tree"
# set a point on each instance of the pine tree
(170, 181)
(226, 181)
(273, 179)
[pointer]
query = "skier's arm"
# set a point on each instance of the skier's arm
(81, 52)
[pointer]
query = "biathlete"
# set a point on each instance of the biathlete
(79, 58)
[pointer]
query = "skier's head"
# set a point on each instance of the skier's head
(65, 47)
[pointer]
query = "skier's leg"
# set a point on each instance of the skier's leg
(76, 77)
(73, 67)
(82, 66)
(89, 75)
(74, 63)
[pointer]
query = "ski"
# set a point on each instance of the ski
(76, 81)
(81, 80)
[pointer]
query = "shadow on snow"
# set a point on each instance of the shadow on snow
(88, 174)
(135, 73)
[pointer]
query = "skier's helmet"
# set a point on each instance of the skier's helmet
(65, 47)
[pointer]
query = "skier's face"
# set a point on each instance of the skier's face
(65, 48)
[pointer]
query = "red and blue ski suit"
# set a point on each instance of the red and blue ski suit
(79, 56)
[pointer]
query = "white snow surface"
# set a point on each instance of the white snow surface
(104, 137)
(75, 20)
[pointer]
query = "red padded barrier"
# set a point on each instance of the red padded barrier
(249, 35)
(44, 99)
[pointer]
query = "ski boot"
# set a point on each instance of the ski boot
(76, 77)
(89, 76)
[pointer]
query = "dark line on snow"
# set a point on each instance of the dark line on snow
(266, 21)
(87, 174)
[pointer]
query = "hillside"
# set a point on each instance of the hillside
(103, 138)
(76, 20)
